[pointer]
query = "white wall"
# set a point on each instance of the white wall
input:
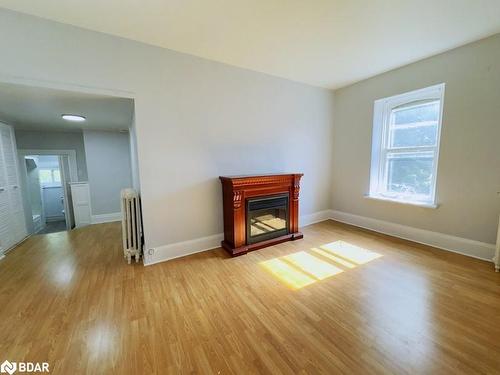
(134, 160)
(108, 167)
(195, 120)
(54, 140)
(469, 164)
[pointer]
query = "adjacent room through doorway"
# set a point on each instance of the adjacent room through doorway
(72, 154)
(47, 193)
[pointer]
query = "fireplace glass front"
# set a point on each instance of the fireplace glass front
(267, 217)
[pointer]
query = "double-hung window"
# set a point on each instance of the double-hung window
(405, 146)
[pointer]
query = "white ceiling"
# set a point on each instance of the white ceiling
(37, 108)
(328, 43)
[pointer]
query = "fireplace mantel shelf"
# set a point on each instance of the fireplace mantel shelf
(237, 190)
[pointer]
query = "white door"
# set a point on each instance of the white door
(81, 203)
(14, 207)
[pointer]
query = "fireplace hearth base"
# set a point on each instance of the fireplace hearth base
(259, 245)
(252, 219)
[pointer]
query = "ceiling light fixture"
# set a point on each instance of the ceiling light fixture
(75, 118)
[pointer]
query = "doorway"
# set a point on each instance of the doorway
(48, 200)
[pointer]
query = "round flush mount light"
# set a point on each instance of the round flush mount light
(74, 118)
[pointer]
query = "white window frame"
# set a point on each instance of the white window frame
(380, 140)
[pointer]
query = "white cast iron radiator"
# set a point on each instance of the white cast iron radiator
(131, 224)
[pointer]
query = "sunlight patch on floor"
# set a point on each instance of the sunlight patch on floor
(336, 259)
(287, 274)
(312, 265)
(303, 268)
(350, 252)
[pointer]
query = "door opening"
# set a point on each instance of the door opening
(46, 182)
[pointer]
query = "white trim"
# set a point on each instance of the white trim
(411, 203)
(380, 140)
(106, 218)
(71, 154)
(180, 249)
(496, 258)
(57, 85)
(314, 218)
(464, 246)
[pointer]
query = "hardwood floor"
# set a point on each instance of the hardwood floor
(371, 304)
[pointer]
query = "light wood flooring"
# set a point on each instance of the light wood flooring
(370, 304)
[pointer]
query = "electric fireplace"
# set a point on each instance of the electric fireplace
(260, 211)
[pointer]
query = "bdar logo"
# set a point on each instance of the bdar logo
(8, 367)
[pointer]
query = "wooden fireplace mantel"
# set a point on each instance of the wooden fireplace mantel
(237, 189)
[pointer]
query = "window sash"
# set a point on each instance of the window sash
(383, 182)
(381, 141)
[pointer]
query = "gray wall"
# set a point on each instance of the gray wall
(469, 163)
(54, 140)
(195, 120)
(109, 170)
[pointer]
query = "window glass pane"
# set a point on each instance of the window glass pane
(416, 112)
(45, 176)
(56, 175)
(414, 125)
(414, 136)
(410, 174)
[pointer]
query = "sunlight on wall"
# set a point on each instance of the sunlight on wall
(302, 268)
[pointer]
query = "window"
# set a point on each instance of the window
(405, 146)
(50, 177)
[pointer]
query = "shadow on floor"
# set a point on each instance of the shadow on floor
(53, 227)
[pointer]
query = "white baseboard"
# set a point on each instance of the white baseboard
(315, 217)
(447, 242)
(180, 249)
(106, 218)
(464, 246)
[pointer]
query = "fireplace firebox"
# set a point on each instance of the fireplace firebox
(260, 211)
(266, 218)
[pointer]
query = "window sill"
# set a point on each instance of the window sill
(409, 203)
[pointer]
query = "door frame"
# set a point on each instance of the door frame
(65, 180)
(71, 154)
(65, 188)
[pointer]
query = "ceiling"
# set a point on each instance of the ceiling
(35, 108)
(329, 43)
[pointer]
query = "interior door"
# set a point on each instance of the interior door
(81, 203)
